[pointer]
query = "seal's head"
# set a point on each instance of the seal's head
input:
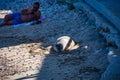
(64, 43)
(58, 47)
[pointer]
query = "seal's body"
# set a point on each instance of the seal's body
(64, 43)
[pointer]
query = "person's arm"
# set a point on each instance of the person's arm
(24, 11)
(37, 15)
(27, 11)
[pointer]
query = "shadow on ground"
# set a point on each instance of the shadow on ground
(59, 66)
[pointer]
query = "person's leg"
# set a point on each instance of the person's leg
(14, 21)
(12, 16)
(11, 19)
(7, 23)
(7, 18)
(10, 22)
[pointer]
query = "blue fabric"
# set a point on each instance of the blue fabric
(16, 18)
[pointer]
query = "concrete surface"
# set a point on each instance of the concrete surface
(109, 9)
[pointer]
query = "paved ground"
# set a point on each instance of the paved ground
(112, 5)
(109, 9)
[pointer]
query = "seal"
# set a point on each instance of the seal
(64, 43)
